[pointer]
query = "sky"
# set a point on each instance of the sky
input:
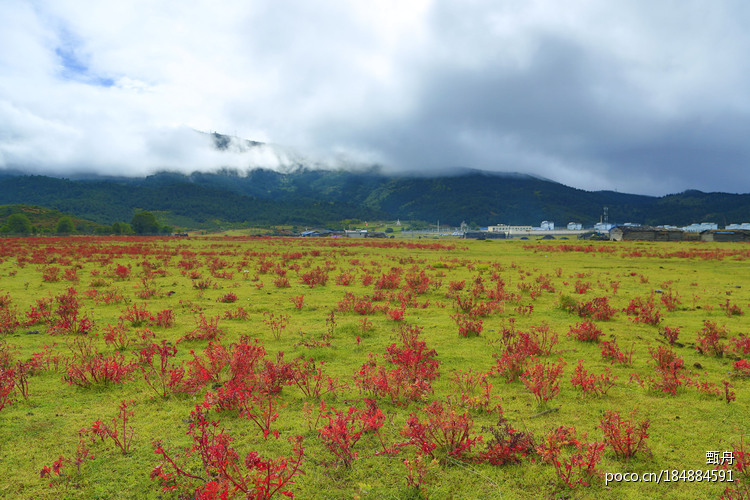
(628, 95)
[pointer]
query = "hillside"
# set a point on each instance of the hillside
(192, 205)
(475, 197)
(325, 197)
(471, 196)
(45, 220)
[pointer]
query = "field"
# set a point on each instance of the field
(322, 368)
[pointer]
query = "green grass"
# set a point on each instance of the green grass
(683, 427)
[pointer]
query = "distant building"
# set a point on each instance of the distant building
(364, 233)
(484, 235)
(574, 226)
(320, 232)
(744, 226)
(547, 225)
(504, 228)
(734, 235)
(603, 227)
(699, 228)
(644, 233)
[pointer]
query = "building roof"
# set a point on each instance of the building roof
(634, 229)
(745, 232)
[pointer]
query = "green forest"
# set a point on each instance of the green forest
(305, 197)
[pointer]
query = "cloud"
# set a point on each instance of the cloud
(633, 96)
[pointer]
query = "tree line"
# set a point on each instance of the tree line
(142, 223)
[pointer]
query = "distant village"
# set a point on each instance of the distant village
(603, 230)
(704, 231)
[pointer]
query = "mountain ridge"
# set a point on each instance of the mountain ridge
(307, 196)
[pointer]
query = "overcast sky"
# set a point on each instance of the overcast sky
(648, 97)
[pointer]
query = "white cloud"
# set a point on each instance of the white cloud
(623, 95)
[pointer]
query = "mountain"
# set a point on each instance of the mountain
(294, 194)
(184, 203)
(304, 196)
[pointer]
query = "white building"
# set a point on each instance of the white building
(699, 228)
(504, 228)
(744, 225)
(575, 226)
(547, 225)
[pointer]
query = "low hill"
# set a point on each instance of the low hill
(46, 219)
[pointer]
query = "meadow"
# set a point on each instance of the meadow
(233, 367)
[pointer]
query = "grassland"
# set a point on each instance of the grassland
(523, 286)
